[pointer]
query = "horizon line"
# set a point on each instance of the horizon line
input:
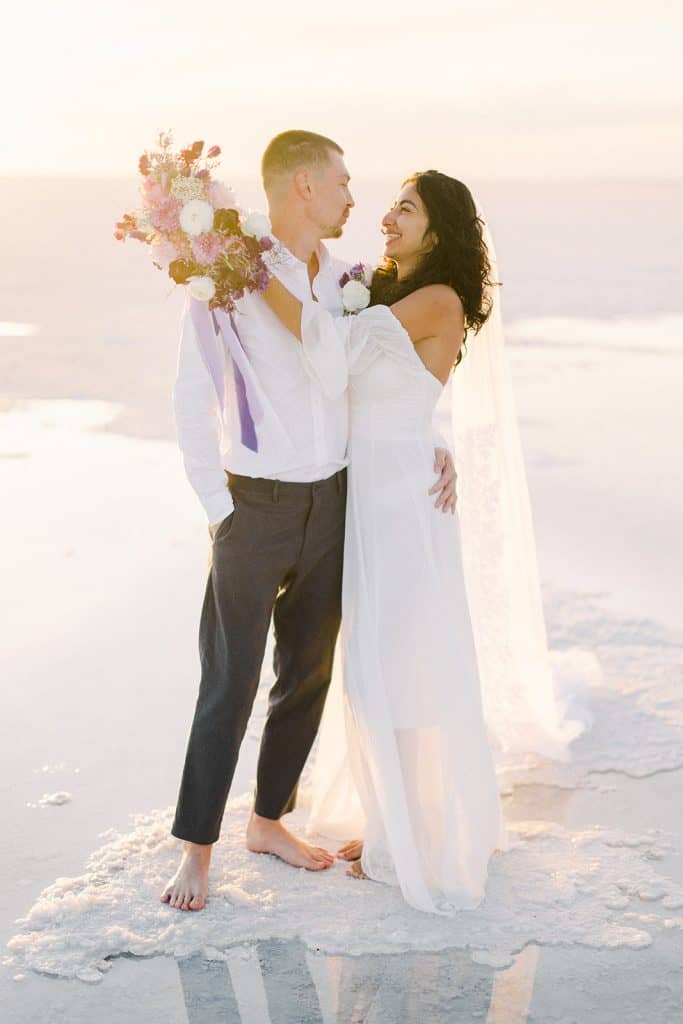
(607, 179)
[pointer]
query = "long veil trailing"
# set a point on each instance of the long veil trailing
(534, 700)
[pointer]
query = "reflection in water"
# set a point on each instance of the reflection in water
(513, 989)
(208, 991)
(277, 982)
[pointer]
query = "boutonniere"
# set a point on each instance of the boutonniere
(355, 286)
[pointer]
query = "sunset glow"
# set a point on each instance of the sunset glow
(524, 90)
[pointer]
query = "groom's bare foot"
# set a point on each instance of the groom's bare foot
(267, 836)
(351, 850)
(188, 888)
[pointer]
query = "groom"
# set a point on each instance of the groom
(276, 523)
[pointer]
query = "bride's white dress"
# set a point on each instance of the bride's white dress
(415, 733)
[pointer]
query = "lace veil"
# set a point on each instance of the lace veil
(526, 701)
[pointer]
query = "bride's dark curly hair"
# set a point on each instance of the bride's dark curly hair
(459, 258)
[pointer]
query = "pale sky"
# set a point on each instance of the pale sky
(496, 89)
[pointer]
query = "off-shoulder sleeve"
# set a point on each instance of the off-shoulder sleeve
(336, 347)
(332, 346)
(377, 331)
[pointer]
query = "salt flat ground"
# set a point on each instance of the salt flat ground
(104, 552)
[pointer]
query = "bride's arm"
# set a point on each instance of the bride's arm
(286, 306)
(433, 317)
(323, 337)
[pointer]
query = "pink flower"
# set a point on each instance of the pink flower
(151, 192)
(163, 252)
(220, 196)
(207, 248)
(213, 152)
(166, 214)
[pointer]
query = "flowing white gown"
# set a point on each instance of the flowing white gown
(419, 754)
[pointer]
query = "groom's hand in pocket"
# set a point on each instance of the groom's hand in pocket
(215, 527)
(445, 484)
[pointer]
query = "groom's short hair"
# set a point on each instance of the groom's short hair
(289, 151)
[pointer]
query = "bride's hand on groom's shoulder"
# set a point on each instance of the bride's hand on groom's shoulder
(445, 485)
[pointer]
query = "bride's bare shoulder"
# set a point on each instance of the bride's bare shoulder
(429, 311)
(438, 295)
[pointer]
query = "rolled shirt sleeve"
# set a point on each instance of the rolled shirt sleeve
(200, 427)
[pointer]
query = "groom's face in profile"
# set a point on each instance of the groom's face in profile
(332, 199)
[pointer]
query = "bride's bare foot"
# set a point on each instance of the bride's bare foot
(356, 871)
(188, 888)
(351, 850)
(267, 836)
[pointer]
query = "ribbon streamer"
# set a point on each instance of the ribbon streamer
(209, 329)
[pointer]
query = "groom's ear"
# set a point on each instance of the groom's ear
(302, 184)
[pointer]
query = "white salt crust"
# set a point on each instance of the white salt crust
(54, 799)
(598, 888)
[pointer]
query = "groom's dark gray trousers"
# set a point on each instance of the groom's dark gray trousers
(279, 552)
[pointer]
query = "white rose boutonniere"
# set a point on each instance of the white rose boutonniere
(355, 288)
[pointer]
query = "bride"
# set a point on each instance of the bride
(444, 652)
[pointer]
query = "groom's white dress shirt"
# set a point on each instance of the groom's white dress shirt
(302, 437)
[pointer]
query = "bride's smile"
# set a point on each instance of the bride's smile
(407, 235)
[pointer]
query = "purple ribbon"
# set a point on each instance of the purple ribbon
(209, 329)
(247, 425)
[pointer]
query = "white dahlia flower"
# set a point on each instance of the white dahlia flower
(196, 217)
(257, 225)
(202, 288)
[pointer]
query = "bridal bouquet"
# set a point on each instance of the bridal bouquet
(194, 227)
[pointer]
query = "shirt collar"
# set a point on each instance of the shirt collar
(288, 257)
